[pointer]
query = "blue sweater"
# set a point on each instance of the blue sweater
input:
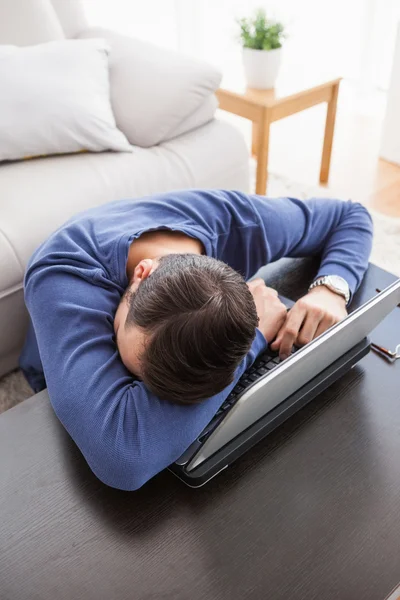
(74, 283)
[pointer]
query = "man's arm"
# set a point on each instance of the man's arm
(340, 232)
(125, 433)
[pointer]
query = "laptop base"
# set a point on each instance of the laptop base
(270, 421)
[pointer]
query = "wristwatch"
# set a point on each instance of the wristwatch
(336, 284)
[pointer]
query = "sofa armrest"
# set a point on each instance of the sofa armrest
(154, 91)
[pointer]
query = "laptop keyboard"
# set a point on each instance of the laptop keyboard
(264, 363)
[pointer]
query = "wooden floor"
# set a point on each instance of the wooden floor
(357, 172)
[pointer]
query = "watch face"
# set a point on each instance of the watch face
(339, 283)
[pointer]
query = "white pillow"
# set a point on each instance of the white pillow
(55, 98)
(153, 90)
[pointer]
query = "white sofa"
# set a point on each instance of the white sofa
(165, 105)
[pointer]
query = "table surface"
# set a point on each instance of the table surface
(287, 86)
(310, 512)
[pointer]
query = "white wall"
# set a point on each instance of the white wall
(152, 20)
(354, 38)
(390, 145)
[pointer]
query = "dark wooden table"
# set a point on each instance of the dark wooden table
(312, 512)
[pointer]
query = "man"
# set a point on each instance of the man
(140, 333)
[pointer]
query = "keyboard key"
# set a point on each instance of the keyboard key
(276, 360)
(270, 365)
(231, 401)
(263, 370)
(264, 361)
(253, 377)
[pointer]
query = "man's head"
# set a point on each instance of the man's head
(184, 325)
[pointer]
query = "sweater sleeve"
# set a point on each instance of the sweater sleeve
(340, 232)
(125, 433)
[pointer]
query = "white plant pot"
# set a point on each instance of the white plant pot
(261, 67)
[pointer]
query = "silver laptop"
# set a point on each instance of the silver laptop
(276, 393)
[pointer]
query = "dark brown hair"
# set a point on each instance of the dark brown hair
(201, 320)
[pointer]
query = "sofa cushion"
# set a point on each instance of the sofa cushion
(154, 90)
(11, 269)
(40, 194)
(202, 115)
(27, 22)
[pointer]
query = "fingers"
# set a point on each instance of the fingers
(290, 330)
(270, 310)
(280, 313)
(314, 324)
(307, 332)
(255, 283)
(313, 314)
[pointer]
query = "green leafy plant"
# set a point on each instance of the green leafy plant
(260, 33)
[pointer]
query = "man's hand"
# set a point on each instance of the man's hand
(270, 310)
(310, 316)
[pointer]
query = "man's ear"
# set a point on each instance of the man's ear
(143, 270)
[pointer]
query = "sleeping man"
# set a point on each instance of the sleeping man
(142, 320)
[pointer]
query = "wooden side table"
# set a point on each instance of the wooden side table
(263, 107)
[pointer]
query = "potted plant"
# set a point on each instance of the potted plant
(262, 49)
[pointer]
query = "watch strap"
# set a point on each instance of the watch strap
(325, 280)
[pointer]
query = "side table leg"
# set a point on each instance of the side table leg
(254, 139)
(262, 154)
(328, 139)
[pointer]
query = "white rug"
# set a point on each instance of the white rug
(385, 253)
(13, 389)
